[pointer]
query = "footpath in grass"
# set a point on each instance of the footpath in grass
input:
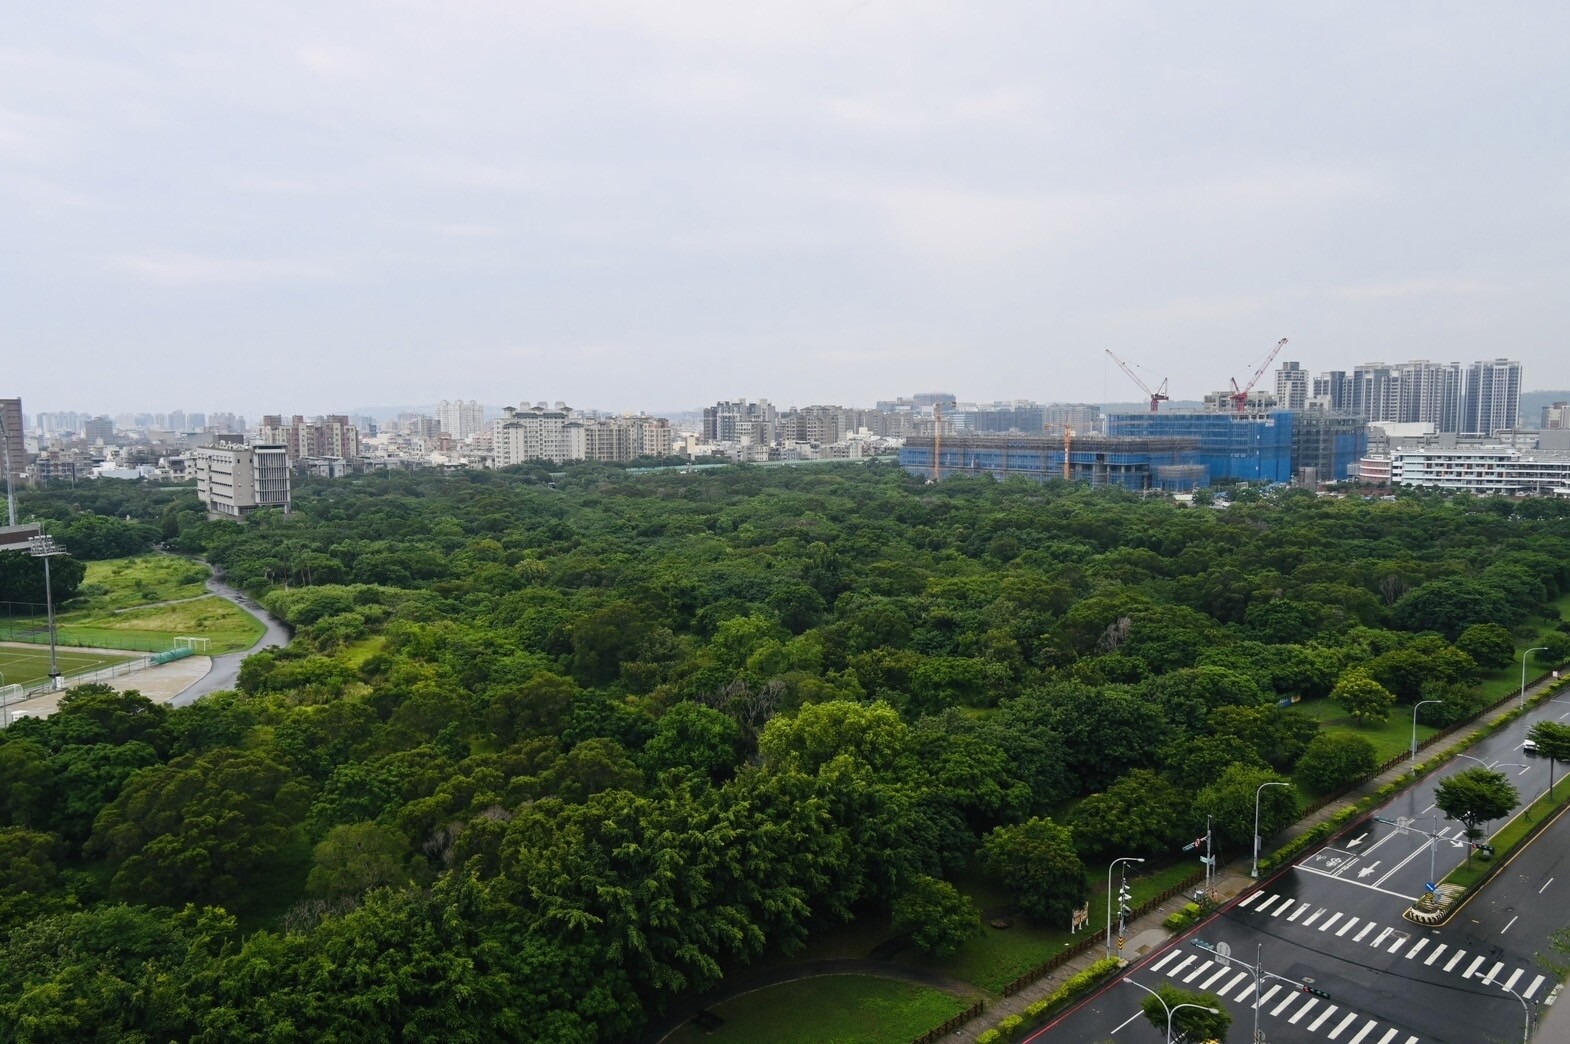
(830, 1009)
(154, 628)
(125, 583)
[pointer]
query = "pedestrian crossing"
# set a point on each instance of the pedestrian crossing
(1226, 981)
(1480, 968)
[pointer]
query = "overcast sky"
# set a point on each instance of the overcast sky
(308, 207)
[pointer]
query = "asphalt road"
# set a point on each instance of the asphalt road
(226, 669)
(1334, 919)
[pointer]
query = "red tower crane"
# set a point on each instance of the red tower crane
(1156, 397)
(1240, 395)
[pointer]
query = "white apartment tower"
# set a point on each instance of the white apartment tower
(460, 419)
(1292, 386)
(1493, 396)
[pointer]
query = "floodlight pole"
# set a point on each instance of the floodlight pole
(43, 546)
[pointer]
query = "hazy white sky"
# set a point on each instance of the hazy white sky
(316, 206)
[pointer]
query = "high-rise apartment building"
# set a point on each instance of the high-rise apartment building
(329, 436)
(525, 433)
(1556, 416)
(755, 422)
(1493, 396)
(1292, 386)
(1332, 391)
(459, 419)
(99, 431)
(233, 479)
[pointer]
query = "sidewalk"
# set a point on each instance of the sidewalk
(1231, 880)
(159, 684)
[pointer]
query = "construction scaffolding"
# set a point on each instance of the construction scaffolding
(1135, 463)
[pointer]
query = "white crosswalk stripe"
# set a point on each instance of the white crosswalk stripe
(1350, 924)
(1180, 965)
(1316, 915)
(1278, 911)
(1368, 1028)
(1292, 997)
(1330, 921)
(1169, 955)
(1313, 1027)
(1442, 947)
(1228, 988)
(1302, 908)
(1488, 980)
(1262, 907)
(1366, 929)
(1380, 938)
(1451, 963)
(1472, 967)
(1388, 1037)
(1313, 1002)
(1527, 993)
(1342, 1025)
(1265, 998)
(1515, 976)
(1199, 970)
(1417, 948)
(1214, 978)
(1246, 900)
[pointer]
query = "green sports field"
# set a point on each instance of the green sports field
(24, 665)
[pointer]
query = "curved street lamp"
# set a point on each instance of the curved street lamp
(1255, 872)
(1415, 706)
(1174, 1008)
(1529, 652)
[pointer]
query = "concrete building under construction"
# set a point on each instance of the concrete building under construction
(1163, 463)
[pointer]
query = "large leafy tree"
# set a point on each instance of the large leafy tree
(1476, 796)
(1364, 699)
(1208, 1020)
(1229, 802)
(1553, 742)
(939, 919)
(1332, 762)
(1037, 862)
(1142, 813)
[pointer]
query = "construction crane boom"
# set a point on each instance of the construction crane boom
(1240, 395)
(1156, 397)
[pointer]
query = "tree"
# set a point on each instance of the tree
(1555, 649)
(1332, 762)
(1553, 743)
(1450, 605)
(692, 737)
(1190, 1024)
(1040, 868)
(1229, 801)
(1475, 796)
(1489, 644)
(1365, 699)
(1140, 813)
(355, 858)
(939, 918)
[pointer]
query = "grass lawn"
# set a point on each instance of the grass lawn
(831, 1009)
(124, 583)
(998, 956)
(1392, 737)
(362, 650)
(226, 625)
(25, 665)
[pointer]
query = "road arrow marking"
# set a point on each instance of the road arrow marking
(1368, 869)
(1357, 840)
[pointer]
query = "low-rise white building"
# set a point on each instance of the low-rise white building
(1483, 470)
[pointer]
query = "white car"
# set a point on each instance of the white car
(1529, 746)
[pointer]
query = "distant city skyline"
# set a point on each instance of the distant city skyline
(669, 203)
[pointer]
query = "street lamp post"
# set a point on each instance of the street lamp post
(1524, 655)
(43, 546)
(1415, 706)
(1173, 1009)
(1261, 789)
(1526, 1014)
(1115, 862)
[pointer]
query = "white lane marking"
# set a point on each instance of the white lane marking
(1199, 969)
(1313, 1027)
(1368, 1027)
(1524, 770)
(1415, 948)
(1223, 991)
(1451, 963)
(1358, 884)
(1546, 883)
(1527, 993)
(1350, 924)
(1131, 1018)
(1473, 967)
(1250, 898)
(1515, 976)
(1284, 1005)
(1278, 911)
(1410, 1040)
(1302, 908)
(1430, 808)
(1332, 919)
(1506, 928)
(1351, 1018)
(1378, 939)
(1435, 955)
(1170, 954)
(1495, 970)
(1304, 1010)
(1265, 998)
(1215, 978)
(1179, 966)
(1366, 929)
(1267, 904)
(1397, 945)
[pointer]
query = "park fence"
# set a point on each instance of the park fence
(939, 1032)
(11, 694)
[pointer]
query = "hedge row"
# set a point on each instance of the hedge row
(1037, 1012)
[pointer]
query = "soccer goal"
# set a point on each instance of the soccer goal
(10, 694)
(196, 645)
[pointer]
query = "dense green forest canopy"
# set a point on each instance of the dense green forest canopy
(544, 756)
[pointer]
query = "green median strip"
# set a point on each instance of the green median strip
(1511, 836)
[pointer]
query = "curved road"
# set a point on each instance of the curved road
(226, 668)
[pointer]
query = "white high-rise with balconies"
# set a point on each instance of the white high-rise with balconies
(460, 419)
